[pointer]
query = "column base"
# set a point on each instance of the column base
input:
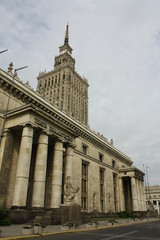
(19, 216)
(18, 207)
(71, 214)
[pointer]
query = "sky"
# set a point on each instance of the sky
(116, 45)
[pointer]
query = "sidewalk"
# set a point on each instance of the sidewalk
(15, 231)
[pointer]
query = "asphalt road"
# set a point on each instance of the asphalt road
(143, 231)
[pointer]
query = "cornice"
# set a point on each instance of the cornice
(27, 95)
(131, 169)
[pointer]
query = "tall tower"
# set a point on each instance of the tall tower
(63, 86)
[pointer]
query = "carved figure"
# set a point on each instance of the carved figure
(70, 192)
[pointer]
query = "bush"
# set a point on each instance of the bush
(4, 220)
(125, 214)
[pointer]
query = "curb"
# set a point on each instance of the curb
(76, 230)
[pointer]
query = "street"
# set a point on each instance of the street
(143, 231)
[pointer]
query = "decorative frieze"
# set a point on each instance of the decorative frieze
(54, 130)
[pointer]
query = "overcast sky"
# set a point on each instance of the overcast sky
(116, 45)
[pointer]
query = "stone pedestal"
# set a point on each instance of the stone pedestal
(71, 214)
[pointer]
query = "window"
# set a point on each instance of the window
(61, 104)
(113, 164)
(101, 177)
(84, 186)
(84, 149)
(100, 157)
(154, 202)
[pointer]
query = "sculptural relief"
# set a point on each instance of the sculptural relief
(70, 192)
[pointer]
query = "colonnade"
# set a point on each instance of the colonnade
(135, 194)
(135, 189)
(138, 194)
(23, 169)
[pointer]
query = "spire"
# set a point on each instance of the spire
(66, 48)
(66, 36)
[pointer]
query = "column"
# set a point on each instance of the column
(6, 146)
(121, 194)
(56, 185)
(23, 167)
(144, 197)
(157, 206)
(5, 163)
(141, 196)
(134, 194)
(138, 195)
(69, 162)
(40, 172)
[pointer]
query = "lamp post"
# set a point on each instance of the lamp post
(3, 51)
(6, 111)
(148, 184)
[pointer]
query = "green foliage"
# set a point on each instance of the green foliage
(4, 220)
(125, 214)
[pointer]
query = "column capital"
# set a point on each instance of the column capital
(44, 132)
(60, 140)
(27, 124)
(72, 145)
(7, 130)
(120, 177)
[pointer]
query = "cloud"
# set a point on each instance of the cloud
(115, 45)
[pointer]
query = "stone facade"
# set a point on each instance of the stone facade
(152, 194)
(50, 158)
